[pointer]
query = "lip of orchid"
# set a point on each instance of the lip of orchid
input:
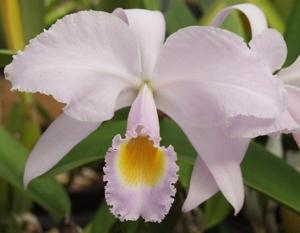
(137, 166)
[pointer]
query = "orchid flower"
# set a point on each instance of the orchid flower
(241, 129)
(272, 55)
(97, 63)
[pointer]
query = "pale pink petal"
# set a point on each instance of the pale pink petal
(250, 127)
(84, 60)
(287, 122)
(143, 112)
(202, 186)
(222, 155)
(131, 201)
(60, 137)
(140, 174)
(294, 109)
(256, 17)
(149, 29)
(291, 74)
(294, 102)
(212, 70)
(270, 47)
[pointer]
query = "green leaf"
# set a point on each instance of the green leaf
(178, 16)
(102, 222)
(33, 18)
(6, 56)
(216, 209)
(284, 7)
(292, 35)
(93, 148)
(109, 6)
(206, 4)
(153, 4)
(46, 192)
(272, 176)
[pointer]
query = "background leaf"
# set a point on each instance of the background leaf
(153, 4)
(46, 192)
(292, 35)
(178, 15)
(102, 222)
(5, 56)
(216, 209)
(33, 16)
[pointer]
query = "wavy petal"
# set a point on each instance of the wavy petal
(202, 186)
(84, 60)
(256, 17)
(149, 29)
(270, 47)
(209, 69)
(248, 127)
(60, 137)
(140, 183)
(140, 174)
(291, 74)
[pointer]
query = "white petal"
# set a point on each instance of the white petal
(256, 17)
(149, 29)
(143, 113)
(131, 190)
(207, 75)
(85, 60)
(294, 101)
(60, 137)
(291, 74)
(222, 155)
(202, 186)
(250, 127)
(270, 47)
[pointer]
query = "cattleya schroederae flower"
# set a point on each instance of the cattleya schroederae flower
(269, 47)
(204, 78)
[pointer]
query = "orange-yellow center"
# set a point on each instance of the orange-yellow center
(140, 163)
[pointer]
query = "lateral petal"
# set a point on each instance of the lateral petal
(222, 155)
(218, 75)
(202, 186)
(84, 60)
(149, 29)
(60, 137)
